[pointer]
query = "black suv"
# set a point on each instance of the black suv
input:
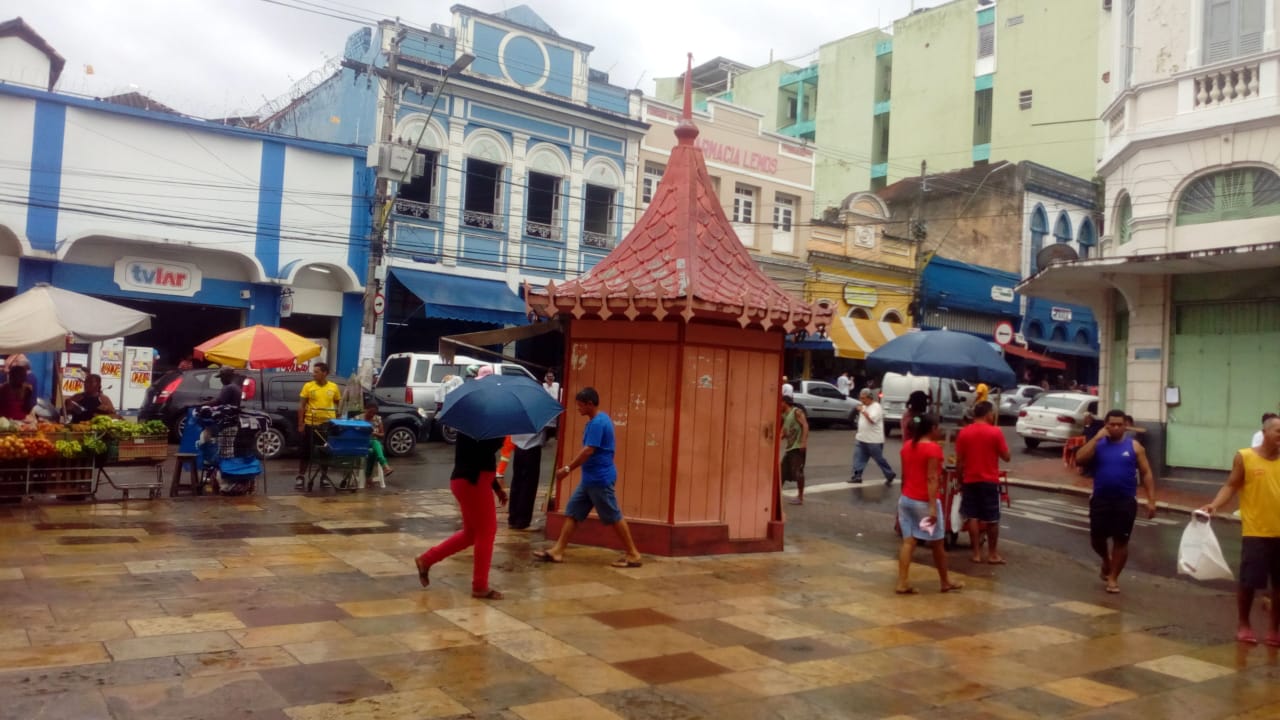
(276, 394)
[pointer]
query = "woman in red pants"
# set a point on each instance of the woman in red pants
(474, 484)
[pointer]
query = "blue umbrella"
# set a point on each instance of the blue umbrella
(497, 406)
(944, 354)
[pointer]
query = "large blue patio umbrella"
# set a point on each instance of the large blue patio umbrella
(945, 354)
(497, 406)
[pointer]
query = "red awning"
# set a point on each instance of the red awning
(1044, 361)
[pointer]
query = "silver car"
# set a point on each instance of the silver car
(823, 402)
(1012, 402)
(1055, 416)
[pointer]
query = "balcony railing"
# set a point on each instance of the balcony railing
(541, 230)
(485, 221)
(597, 240)
(412, 208)
(1226, 85)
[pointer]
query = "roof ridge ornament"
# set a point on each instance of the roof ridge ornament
(686, 131)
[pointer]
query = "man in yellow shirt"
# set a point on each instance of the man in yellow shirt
(1255, 474)
(319, 404)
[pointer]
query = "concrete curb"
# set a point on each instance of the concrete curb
(1073, 490)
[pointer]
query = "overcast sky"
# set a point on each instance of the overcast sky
(215, 58)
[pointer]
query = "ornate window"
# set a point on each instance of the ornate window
(1124, 220)
(1039, 228)
(1088, 238)
(1238, 194)
(1062, 228)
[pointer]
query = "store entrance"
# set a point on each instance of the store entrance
(176, 328)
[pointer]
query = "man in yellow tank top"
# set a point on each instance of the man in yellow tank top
(1255, 474)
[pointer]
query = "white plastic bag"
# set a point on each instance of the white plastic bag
(1199, 554)
(957, 522)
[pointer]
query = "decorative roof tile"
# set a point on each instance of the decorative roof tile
(682, 254)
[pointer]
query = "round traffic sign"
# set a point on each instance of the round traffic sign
(1004, 333)
(379, 304)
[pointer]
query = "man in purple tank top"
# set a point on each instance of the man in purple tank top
(1119, 462)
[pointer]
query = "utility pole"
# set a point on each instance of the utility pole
(382, 189)
(919, 232)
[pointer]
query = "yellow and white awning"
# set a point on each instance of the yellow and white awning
(855, 338)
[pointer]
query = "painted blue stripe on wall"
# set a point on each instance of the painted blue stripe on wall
(607, 144)
(518, 122)
(46, 175)
(984, 82)
(361, 218)
(270, 198)
(349, 329)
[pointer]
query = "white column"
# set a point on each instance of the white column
(573, 239)
(515, 207)
(456, 160)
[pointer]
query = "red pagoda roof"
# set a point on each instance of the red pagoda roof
(682, 257)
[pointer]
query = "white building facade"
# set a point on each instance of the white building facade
(1185, 284)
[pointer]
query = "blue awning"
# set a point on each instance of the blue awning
(456, 297)
(1058, 347)
(956, 285)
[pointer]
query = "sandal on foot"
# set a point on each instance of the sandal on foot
(1113, 589)
(489, 594)
(625, 563)
(953, 587)
(996, 561)
(1245, 635)
(386, 471)
(545, 556)
(1273, 640)
(423, 571)
(906, 591)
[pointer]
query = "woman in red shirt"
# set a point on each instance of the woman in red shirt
(921, 482)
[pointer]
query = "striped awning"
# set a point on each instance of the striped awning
(854, 338)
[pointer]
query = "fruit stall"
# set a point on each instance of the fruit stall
(67, 461)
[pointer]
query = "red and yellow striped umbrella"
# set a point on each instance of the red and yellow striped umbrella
(258, 346)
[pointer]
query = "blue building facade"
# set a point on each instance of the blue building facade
(526, 161)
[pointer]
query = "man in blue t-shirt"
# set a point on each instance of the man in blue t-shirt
(1119, 464)
(596, 489)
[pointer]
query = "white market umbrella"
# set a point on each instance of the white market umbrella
(41, 318)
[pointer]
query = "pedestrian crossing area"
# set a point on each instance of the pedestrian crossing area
(1063, 512)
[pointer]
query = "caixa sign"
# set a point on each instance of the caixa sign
(161, 278)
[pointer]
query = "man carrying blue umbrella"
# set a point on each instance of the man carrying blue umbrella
(596, 489)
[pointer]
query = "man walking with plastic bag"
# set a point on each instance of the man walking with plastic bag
(1255, 475)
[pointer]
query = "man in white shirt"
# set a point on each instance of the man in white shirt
(870, 438)
(787, 389)
(844, 384)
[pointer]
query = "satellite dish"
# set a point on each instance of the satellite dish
(1055, 253)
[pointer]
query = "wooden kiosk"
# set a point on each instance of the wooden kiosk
(682, 335)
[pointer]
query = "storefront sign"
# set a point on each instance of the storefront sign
(1060, 314)
(73, 377)
(736, 155)
(163, 278)
(861, 296)
(140, 373)
(999, 293)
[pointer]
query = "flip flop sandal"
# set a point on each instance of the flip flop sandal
(625, 563)
(907, 591)
(998, 561)
(423, 572)
(1272, 641)
(1113, 589)
(953, 587)
(1246, 635)
(545, 556)
(490, 594)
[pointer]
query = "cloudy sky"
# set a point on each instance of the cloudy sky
(215, 58)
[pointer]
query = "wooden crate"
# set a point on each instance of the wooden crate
(152, 447)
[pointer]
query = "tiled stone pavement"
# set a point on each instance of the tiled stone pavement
(309, 608)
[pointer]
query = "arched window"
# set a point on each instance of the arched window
(892, 316)
(1124, 220)
(1039, 228)
(1059, 333)
(1087, 238)
(1035, 330)
(1238, 194)
(859, 314)
(1062, 228)
(1082, 337)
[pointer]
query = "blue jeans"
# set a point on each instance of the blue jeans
(862, 452)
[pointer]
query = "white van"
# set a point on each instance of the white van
(951, 399)
(413, 378)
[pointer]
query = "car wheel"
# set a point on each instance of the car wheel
(1031, 443)
(180, 427)
(448, 434)
(270, 443)
(400, 441)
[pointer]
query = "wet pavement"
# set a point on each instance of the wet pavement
(308, 606)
